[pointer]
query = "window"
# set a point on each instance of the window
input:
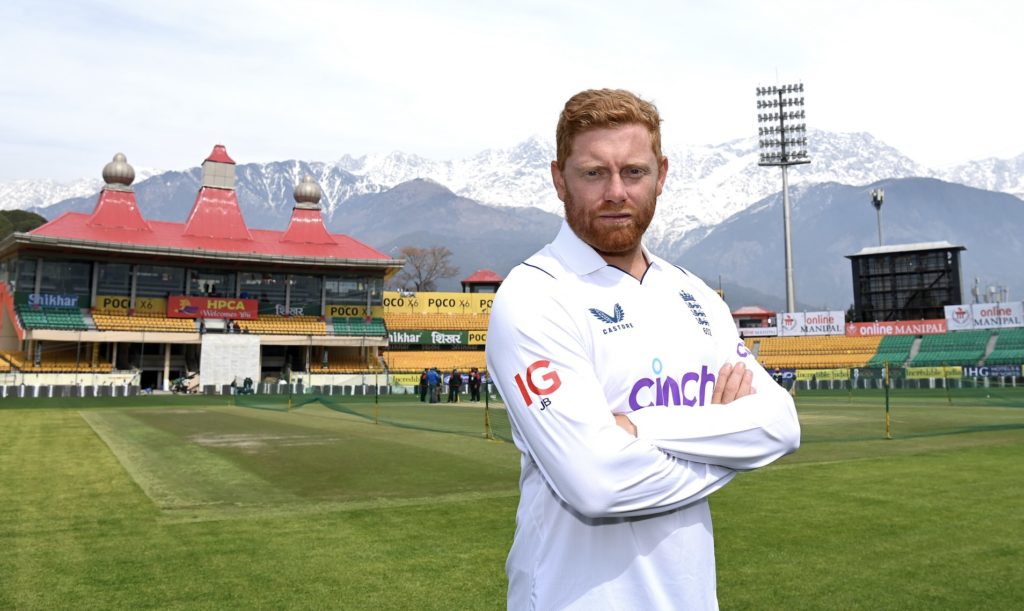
(113, 279)
(159, 281)
(268, 288)
(25, 278)
(305, 294)
(67, 278)
(213, 283)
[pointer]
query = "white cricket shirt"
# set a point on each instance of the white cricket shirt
(606, 520)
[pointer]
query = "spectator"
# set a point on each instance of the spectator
(433, 378)
(474, 384)
(454, 383)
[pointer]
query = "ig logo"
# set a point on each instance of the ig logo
(540, 381)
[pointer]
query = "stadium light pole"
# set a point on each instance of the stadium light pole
(783, 142)
(877, 196)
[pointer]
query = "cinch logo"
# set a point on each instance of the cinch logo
(615, 319)
(540, 383)
(669, 391)
(741, 350)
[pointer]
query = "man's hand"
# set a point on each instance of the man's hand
(625, 424)
(734, 382)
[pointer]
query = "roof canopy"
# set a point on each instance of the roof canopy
(215, 227)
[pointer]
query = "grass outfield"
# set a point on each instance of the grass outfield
(188, 503)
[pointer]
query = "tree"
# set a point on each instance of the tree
(851, 313)
(18, 221)
(423, 268)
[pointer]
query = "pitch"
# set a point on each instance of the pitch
(206, 505)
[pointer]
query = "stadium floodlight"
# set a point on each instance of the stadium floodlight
(876, 200)
(783, 143)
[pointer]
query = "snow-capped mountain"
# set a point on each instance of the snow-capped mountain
(25, 194)
(518, 177)
(706, 184)
(1005, 175)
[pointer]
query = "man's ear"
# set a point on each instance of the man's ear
(559, 180)
(662, 173)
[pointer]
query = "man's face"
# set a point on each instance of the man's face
(610, 186)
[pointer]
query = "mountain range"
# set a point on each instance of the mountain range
(497, 207)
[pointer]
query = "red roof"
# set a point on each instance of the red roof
(307, 226)
(483, 276)
(752, 311)
(220, 154)
(119, 209)
(216, 215)
(75, 225)
(215, 224)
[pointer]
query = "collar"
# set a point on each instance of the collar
(580, 257)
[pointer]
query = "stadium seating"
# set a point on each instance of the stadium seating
(346, 364)
(893, 349)
(954, 348)
(358, 327)
(15, 359)
(816, 352)
(415, 361)
(1009, 348)
(52, 318)
(439, 322)
(106, 321)
(65, 361)
(285, 325)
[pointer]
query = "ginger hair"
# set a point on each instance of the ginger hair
(596, 108)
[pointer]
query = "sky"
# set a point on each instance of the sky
(163, 81)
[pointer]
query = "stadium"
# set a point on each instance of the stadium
(907, 327)
(111, 303)
(332, 485)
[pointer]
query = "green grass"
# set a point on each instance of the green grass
(188, 503)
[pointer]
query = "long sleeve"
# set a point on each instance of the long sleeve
(746, 434)
(540, 361)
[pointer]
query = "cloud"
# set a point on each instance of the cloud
(309, 79)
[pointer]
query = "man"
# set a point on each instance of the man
(474, 384)
(433, 379)
(454, 384)
(423, 386)
(630, 394)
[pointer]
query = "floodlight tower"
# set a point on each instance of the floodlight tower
(783, 143)
(876, 200)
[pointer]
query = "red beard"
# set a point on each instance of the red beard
(605, 240)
